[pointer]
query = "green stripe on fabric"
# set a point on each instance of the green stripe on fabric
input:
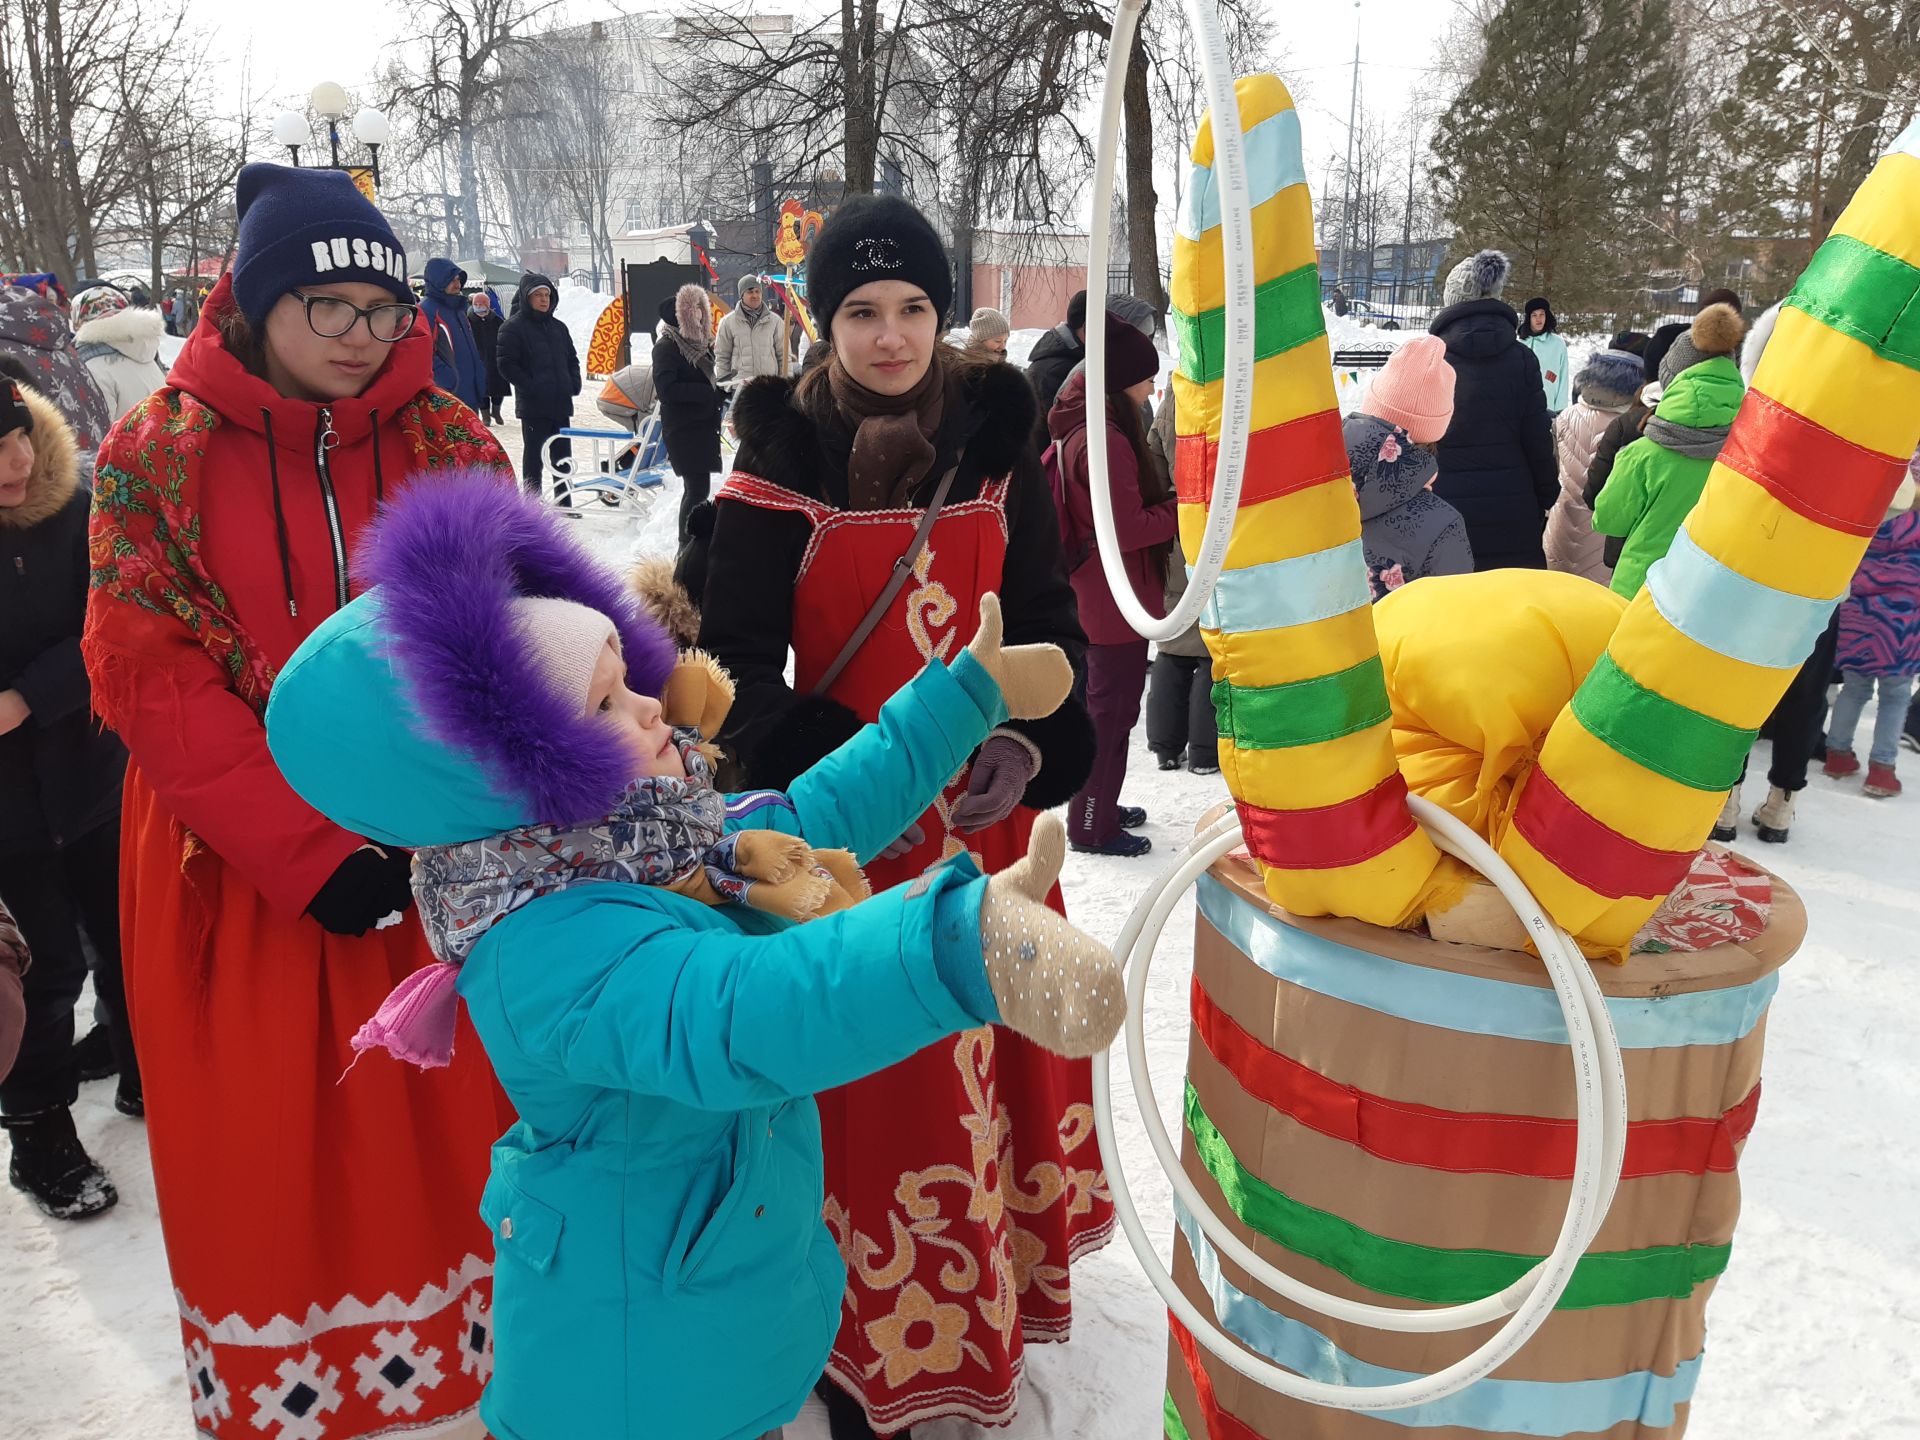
(1170, 1420)
(1666, 737)
(1304, 712)
(1286, 313)
(1866, 293)
(1439, 1277)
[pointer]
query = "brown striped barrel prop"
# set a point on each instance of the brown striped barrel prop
(1390, 1118)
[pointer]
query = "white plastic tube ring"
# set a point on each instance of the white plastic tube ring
(1236, 224)
(1600, 1093)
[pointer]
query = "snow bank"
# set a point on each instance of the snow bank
(579, 310)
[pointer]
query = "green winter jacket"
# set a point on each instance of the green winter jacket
(1652, 488)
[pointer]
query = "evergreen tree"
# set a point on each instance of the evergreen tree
(1558, 149)
(1821, 90)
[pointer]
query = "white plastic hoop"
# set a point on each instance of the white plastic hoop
(1236, 226)
(1599, 1148)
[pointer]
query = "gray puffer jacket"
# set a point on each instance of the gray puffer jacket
(1407, 531)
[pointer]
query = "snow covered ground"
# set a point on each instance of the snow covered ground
(1813, 1325)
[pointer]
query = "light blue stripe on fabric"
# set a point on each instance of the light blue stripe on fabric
(1508, 1407)
(1470, 1003)
(1909, 141)
(1731, 614)
(1273, 163)
(1289, 592)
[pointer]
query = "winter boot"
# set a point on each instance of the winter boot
(1132, 817)
(1727, 828)
(1882, 783)
(1774, 818)
(1840, 764)
(845, 1419)
(1166, 761)
(52, 1167)
(1125, 845)
(93, 1055)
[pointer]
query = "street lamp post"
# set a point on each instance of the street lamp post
(331, 103)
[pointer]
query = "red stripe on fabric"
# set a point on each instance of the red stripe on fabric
(1603, 860)
(1809, 469)
(1220, 1425)
(752, 490)
(1333, 835)
(1295, 456)
(1459, 1142)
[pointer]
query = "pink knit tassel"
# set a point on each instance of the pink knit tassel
(415, 1022)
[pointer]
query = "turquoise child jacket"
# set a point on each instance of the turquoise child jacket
(662, 1268)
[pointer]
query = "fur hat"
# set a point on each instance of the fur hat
(693, 313)
(1478, 277)
(1414, 390)
(870, 238)
(1131, 356)
(1610, 379)
(988, 324)
(1538, 302)
(95, 301)
(454, 558)
(1716, 332)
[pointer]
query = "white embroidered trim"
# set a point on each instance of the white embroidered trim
(280, 1332)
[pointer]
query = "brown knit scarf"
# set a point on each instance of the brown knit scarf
(892, 435)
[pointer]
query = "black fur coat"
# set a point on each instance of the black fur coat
(752, 561)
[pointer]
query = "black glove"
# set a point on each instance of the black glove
(370, 885)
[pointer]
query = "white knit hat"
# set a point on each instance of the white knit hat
(567, 639)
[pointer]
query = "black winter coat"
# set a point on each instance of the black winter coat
(60, 771)
(1497, 466)
(690, 408)
(1054, 356)
(486, 336)
(753, 562)
(536, 356)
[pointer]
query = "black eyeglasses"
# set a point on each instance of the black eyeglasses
(330, 317)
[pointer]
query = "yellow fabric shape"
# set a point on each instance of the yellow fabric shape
(1478, 667)
(1259, 97)
(1279, 529)
(1287, 386)
(1282, 241)
(1885, 211)
(1837, 382)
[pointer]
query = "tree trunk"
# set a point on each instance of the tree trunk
(473, 237)
(857, 80)
(1143, 245)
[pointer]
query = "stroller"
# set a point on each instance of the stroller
(623, 469)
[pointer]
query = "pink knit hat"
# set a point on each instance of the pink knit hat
(567, 639)
(1415, 390)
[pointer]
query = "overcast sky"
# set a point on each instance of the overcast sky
(289, 53)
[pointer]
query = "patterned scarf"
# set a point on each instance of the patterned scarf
(664, 829)
(893, 435)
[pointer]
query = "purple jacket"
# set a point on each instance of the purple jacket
(1880, 619)
(1144, 530)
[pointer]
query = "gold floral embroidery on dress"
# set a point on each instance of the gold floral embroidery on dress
(930, 610)
(989, 1192)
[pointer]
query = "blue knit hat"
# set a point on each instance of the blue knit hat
(309, 227)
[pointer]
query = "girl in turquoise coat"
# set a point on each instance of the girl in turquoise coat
(630, 953)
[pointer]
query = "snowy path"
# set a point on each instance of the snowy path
(1813, 1326)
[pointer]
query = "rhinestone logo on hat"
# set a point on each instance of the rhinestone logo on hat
(877, 253)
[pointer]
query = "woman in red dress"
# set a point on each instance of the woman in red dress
(964, 1182)
(322, 1228)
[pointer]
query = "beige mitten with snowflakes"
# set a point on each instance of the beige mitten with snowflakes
(1056, 985)
(1033, 679)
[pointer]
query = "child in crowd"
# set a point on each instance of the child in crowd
(1879, 646)
(1181, 723)
(1657, 478)
(625, 939)
(1406, 530)
(1607, 385)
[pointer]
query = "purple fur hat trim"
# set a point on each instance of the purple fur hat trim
(449, 555)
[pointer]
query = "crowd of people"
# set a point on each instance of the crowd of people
(705, 918)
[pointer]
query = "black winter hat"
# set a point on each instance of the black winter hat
(875, 237)
(1538, 302)
(14, 414)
